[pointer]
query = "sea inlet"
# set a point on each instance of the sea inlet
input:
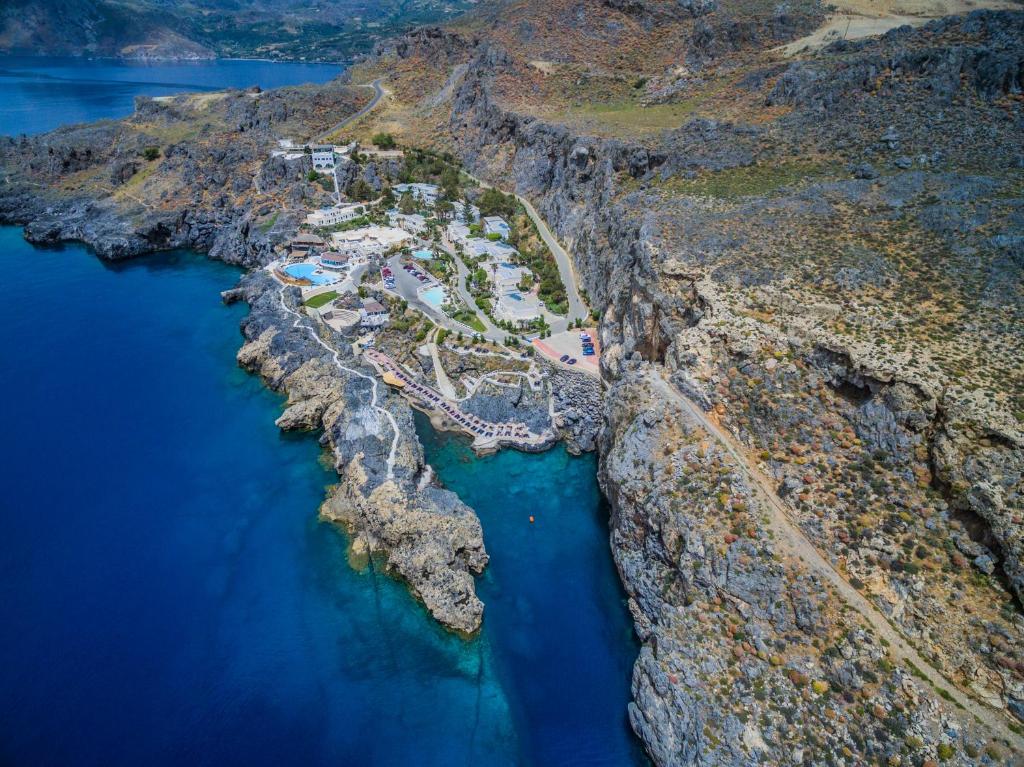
(168, 594)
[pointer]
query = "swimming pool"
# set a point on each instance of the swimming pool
(423, 255)
(433, 296)
(306, 271)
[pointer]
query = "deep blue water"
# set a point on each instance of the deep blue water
(168, 596)
(38, 94)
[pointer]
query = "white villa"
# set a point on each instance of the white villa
(505, 277)
(497, 225)
(370, 240)
(373, 314)
(425, 193)
(413, 223)
(337, 214)
(323, 157)
(478, 247)
(516, 307)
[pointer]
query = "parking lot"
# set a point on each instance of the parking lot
(568, 343)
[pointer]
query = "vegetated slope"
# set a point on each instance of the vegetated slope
(825, 253)
(161, 29)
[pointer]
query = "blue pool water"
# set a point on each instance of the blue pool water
(167, 595)
(308, 272)
(423, 255)
(433, 296)
(38, 94)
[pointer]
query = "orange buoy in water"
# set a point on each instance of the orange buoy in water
(531, 519)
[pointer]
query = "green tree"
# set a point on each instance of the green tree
(383, 140)
(444, 209)
(360, 190)
(450, 183)
(406, 203)
(494, 203)
(151, 153)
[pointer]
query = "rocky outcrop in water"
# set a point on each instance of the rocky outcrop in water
(199, 193)
(383, 497)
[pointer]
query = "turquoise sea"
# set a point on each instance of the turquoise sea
(168, 596)
(167, 593)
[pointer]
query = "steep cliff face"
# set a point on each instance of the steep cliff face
(747, 264)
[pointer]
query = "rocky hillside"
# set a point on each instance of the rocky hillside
(824, 254)
(809, 277)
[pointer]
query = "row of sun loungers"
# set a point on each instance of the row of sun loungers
(471, 422)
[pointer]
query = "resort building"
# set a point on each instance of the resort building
(504, 276)
(370, 240)
(516, 307)
(323, 157)
(303, 243)
(333, 259)
(478, 247)
(457, 234)
(413, 223)
(425, 193)
(497, 225)
(337, 214)
(373, 314)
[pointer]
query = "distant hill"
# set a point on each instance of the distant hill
(162, 29)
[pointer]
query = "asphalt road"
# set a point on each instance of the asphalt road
(577, 309)
(378, 92)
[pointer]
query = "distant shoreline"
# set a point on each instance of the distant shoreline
(157, 60)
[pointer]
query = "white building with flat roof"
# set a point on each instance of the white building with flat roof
(515, 307)
(425, 193)
(413, 223)
(370, 240)
(505, 277)
(338, 214)
(323, 157)
(497, 225)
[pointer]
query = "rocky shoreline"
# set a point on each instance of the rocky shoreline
(386, 497)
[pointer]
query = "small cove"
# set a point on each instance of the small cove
(169, 594)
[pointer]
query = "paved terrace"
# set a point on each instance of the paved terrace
(485, 434)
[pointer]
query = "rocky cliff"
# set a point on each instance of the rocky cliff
(837, 282)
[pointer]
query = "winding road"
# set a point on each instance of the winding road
(577, 308)
(378, 92)
(790, 539)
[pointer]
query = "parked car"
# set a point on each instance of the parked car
(572, 360)
(563, 358)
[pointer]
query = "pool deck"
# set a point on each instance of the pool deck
(486, 436)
